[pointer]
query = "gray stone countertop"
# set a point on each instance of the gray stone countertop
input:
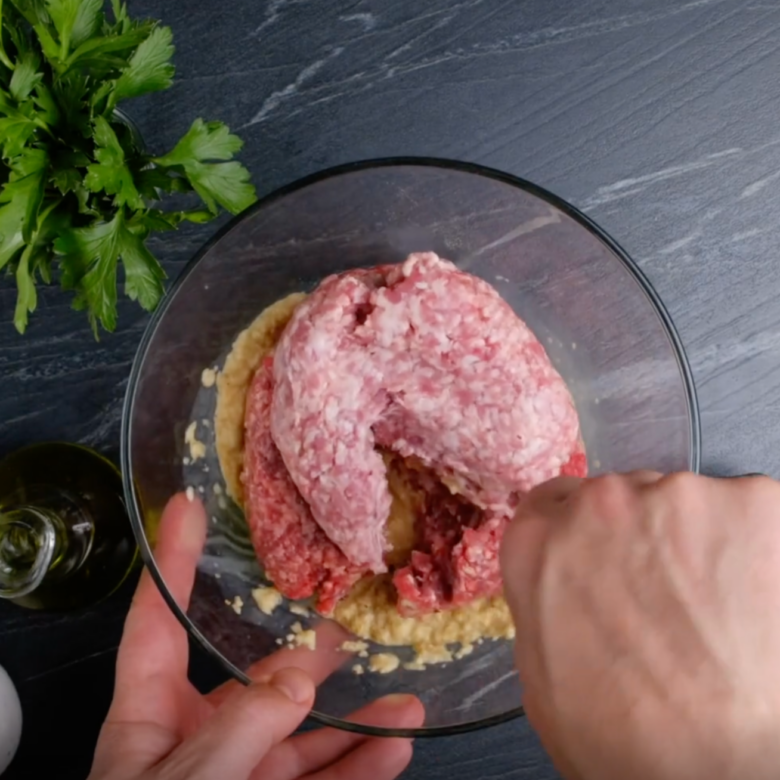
(658, 118)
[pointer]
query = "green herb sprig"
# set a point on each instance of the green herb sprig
(79, 195)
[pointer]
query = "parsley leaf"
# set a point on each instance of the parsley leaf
(144, 276)
(90, 258)
(152, 182)
(66, 175)
(11, 217)
(26, 76)
(90, 52)
(21, 198)
(75, 21)
(48, 45)
(66, 180)
(227, 183)
(17, 124)
(34, 11)
(79, 195)
(203, 141)
(69, 92)
(149, 69)
(36, 257)
(47, 106)
(121, 19)
(15, 131)
(111, 174)
(89, 263)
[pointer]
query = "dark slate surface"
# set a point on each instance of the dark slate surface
(657, 117)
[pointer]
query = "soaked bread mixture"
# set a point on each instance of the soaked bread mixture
(369, 610)
(248, 351)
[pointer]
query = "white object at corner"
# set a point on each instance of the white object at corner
(10, 720)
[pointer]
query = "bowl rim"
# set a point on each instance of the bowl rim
(556, 201)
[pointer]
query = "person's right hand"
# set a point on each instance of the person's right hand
(648, 625)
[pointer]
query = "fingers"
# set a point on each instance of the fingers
(549, 498)
(318, 664)
(544, 513)
(378, 759)
(126, 750)
(154, 644)
(307, 753)
(643, 477)
(551, 502)
(237, 737)
(180, 539)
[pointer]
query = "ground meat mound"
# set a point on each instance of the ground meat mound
(420, 360)
(429, 362)
(297, 555)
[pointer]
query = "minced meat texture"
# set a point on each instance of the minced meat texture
(455, 559)
(426, 362)
(298, 557)
(429, 362)
(456, 552)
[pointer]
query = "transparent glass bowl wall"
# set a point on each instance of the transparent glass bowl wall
(600, 321)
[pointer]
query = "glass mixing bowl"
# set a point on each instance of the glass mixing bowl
(602, 324)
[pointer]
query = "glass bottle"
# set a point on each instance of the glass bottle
(65, 537)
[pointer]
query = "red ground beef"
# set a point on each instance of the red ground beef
(431, 363)
(298, 557)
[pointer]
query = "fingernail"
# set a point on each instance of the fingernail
(193, 523)
(294, 684)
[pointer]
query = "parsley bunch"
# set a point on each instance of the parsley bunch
(78, 193)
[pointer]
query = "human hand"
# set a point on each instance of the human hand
(648, 634)
(160, 727)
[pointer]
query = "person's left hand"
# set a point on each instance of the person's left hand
(160, 727)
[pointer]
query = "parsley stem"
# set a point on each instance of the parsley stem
(26, 298)
(3, 56)
(64, 45)
(44, 214)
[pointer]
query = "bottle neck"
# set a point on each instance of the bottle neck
(29, 544)
(41, 543)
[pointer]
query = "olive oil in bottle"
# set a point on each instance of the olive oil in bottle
(65, 537)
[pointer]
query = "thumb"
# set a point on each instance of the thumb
(235, 739)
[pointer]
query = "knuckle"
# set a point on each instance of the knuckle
(252, 704)
(608, 492)
(682, 483)
(684, 491)
(759, 495)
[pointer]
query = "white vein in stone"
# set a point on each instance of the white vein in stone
(272, 15)
(369, 21)
(275, 99)
(755, 187)
(624, 187)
